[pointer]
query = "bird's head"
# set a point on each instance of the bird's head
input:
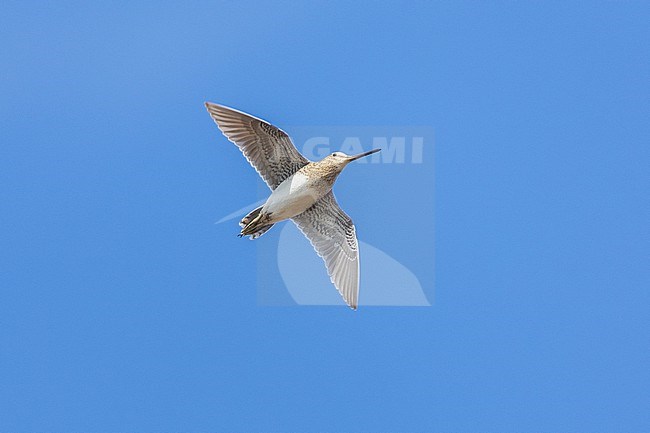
(340, 159)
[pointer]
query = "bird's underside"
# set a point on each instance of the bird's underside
(272, 153)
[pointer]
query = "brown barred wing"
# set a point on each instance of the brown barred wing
(332, 233)
(268, 149)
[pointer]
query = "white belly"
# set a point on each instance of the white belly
(292, 197)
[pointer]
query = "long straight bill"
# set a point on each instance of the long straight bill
(361, 155)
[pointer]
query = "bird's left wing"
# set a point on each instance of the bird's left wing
(268, 148)
(332, 233)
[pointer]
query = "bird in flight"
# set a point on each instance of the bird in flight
(301, 190)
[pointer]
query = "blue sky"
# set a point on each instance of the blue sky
(123, 307)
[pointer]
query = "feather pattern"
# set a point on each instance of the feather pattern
(268, 148)
(333, 236)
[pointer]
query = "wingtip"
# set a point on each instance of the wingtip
(213, 106)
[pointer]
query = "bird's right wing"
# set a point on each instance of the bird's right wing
(332, 233)
(267, 148)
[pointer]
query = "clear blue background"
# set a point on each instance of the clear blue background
(124, 308)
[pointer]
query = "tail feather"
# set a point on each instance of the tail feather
(253, 224)
(250, 217)
(260, 231)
